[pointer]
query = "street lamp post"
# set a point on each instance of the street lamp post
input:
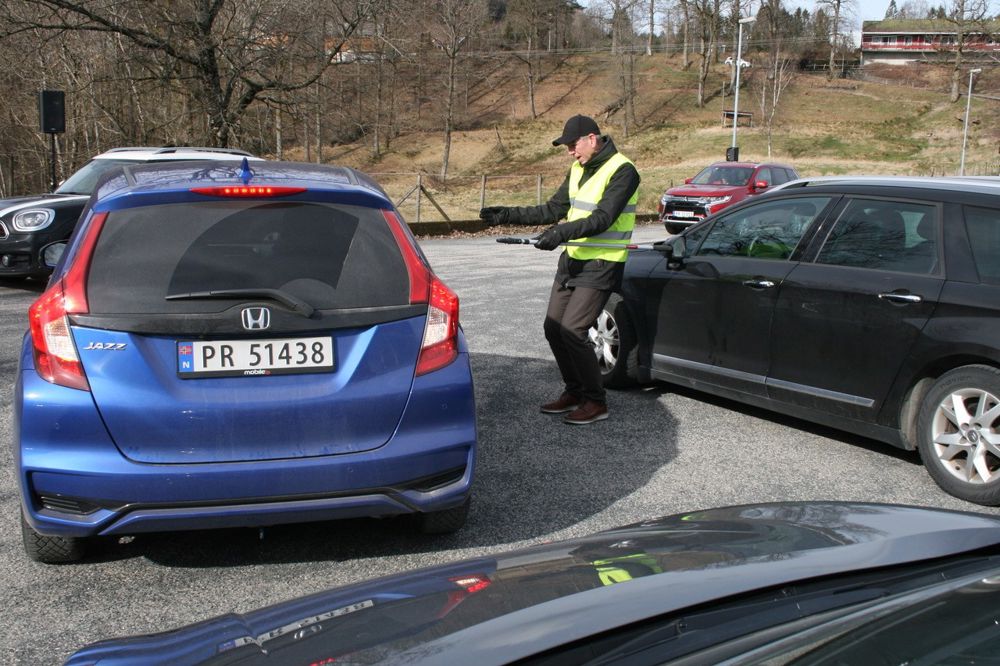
(965, 130)
(734, 152)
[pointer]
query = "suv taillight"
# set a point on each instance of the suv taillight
(439, 346)
(56, 358)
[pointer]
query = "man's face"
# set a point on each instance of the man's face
(584, 148)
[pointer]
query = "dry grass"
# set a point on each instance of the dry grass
(822, 127)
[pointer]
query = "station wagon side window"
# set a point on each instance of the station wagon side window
(983, 226)
(768, 230)
(884, 235)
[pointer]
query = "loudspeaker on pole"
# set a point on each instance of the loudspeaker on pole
(52, 111)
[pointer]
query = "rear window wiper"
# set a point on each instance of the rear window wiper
(283, 297)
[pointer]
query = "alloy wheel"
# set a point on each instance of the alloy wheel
(965, 435)
(605, 337)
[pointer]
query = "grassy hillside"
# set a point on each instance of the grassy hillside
(822, 127)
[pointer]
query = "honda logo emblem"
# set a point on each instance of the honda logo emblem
(256, 319)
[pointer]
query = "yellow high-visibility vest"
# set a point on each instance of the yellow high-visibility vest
(583, 201)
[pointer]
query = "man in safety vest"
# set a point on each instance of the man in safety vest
(597, 199)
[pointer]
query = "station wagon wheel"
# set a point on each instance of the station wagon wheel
(613, 337)
(959, 433)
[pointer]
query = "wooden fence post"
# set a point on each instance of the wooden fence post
(538, 189)
(482, 192)
(420, 189)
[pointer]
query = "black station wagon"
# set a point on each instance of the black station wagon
(869, 304)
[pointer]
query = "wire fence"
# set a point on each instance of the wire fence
(422, 198)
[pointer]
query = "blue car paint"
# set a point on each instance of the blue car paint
(149, 410)
(437, 432)
(64, 446)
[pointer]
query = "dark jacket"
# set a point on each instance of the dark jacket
(593, 273)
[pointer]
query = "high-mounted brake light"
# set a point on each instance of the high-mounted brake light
(248, 190)
(440, 344)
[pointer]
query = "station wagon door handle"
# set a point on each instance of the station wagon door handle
(758, 284)
(901, 298)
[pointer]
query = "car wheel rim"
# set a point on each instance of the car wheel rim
(604, 336)
(966, 435)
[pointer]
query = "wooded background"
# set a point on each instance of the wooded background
(270, 76)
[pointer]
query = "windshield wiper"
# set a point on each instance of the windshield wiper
(283, 297)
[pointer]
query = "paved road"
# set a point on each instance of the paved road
(663, 451)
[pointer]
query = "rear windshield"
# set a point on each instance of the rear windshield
(331, 256)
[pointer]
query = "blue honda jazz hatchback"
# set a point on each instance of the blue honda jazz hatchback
(226, 344)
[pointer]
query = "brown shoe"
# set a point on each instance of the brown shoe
(589, 412)
(564, 403)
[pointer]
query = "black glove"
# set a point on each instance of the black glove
(549, 239)
(494, 215)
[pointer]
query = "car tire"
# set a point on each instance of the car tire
(958, 433)
(443, 522)
(614, 340)
(50, 549)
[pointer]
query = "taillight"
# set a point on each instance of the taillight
(56, 359)
(440, 344)
(248, 191)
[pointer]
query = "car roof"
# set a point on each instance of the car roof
(975, 184)
(154, 153)
(153, 177)
(750, 165)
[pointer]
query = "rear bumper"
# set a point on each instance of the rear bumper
(74, 482)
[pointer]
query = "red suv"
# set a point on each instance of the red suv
(717, 186)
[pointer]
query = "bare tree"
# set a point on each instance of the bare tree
(451, 24)
(528, 21)
(227, 54)
(709, 16)
(966, 16)
(839, 10)
(777, 70)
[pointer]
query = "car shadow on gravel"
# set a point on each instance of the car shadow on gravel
(535, 476)
(793, 422)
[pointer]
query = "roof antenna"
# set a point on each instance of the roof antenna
(245, 173)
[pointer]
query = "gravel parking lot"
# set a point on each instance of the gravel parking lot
(662, 451)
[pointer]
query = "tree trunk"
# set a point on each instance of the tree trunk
(449, 114)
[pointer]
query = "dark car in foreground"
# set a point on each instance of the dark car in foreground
(30, 223)
(229, 344)
(788, 583)
(718, 186)
(871, 305)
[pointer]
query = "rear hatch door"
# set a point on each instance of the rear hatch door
(248, 330)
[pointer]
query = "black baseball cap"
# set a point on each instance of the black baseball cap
(576, 127)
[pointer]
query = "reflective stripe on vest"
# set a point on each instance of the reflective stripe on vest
(583, 201)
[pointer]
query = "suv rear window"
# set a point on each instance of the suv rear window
(331, 256)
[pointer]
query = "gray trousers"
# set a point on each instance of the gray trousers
(571, 313)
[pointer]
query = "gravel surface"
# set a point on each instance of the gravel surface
(662, 451)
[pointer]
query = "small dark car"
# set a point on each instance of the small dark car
(786, 583)
(31, 223)
(871, 305)
(718, 186)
